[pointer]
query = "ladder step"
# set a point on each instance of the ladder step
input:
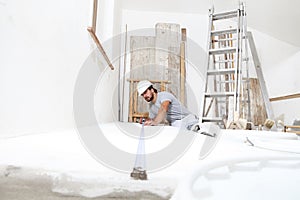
(225, 31)
(224, 39)
(222, 50)
(221, 71)
(225, 61)
(225, 15)
(212, 119)
(219, 94)
(232, 81)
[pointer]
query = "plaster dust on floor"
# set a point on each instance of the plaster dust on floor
(57, 166)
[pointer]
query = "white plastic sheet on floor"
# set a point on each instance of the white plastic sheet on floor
(234, 170)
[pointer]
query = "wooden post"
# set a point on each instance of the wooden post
(182, 66)
(95, 6)
(135, 103)
(131, 92)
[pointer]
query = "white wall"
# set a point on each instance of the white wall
(43, 45)
(286, 81)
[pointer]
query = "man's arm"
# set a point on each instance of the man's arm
(161, 115)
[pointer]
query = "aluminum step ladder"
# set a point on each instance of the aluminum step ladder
(262, 84)
(226, 94)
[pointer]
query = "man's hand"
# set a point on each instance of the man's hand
(160, 116)
(148, 122)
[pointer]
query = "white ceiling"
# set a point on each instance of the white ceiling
(277, 18)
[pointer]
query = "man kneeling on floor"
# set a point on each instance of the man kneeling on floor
(164, 105)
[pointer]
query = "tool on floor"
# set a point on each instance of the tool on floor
(213, 133)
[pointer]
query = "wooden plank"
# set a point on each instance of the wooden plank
(183, 66)
(292, 126)
(183, 34)
(100, 47)
(130, 119)
(94, 23)
(142, 57)
(92, 31)
(135, 103)
(139, 115)
(182, 73)
(257, 106)
(168, 39)
(285, 97)
(289, 128)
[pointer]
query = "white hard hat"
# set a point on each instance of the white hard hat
(142, 86)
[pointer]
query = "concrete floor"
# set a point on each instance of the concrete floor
(17, 183)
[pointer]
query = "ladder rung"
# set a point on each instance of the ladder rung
(223, 39)
(225, 101)
(229, 81)
(224, 61)
(222, 50)
(225, 15)
(221, 71)
(232, 81)
(219, 94)
(225, 31)
(212, 119)
(222, 101)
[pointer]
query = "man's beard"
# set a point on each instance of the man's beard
(150, 99)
